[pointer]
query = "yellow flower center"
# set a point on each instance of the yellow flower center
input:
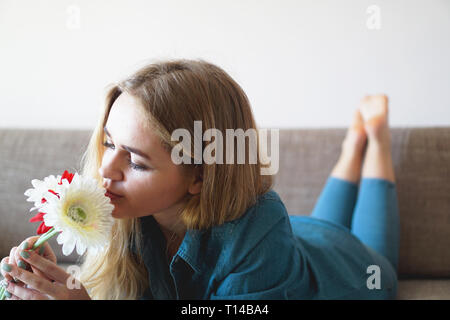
(77, 214)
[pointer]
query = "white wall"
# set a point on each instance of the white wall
(302, 63)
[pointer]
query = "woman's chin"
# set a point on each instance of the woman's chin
(116, 214)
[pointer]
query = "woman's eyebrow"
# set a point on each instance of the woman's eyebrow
(129, 149)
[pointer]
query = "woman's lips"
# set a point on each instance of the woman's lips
(112, 196)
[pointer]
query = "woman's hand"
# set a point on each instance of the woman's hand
(47, 281)
(15, 259)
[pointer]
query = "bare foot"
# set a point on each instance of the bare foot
(374, 111)
(378, 159)
(349, 164)
(356, 137)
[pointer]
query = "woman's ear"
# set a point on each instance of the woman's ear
(197, 180)
(195, 187)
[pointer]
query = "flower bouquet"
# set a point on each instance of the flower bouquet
(73, 207)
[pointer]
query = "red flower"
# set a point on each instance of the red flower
(42, 227)
(66, 175)
(40, 215)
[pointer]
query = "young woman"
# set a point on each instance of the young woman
(218, 231)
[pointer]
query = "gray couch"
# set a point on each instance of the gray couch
(422, 164)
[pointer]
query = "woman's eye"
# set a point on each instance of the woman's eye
(130, 163)
(108, 145)
(136, 166)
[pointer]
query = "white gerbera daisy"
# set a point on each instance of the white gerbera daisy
(81, 212)
(40, 190)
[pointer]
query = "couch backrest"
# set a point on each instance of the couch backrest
(307, 156)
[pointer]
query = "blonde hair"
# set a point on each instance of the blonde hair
(174, 94)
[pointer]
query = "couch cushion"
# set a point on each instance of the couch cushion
(424, 289)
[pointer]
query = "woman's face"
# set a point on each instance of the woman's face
(149, 183)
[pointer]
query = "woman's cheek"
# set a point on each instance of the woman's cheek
(141, 198)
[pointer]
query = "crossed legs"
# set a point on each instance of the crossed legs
(370, 212)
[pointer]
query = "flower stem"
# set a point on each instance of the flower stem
(44, 238)
(2, 292)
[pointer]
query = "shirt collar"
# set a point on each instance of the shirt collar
(193, 248)
(189, 249)
(154, 243)
(200, 248)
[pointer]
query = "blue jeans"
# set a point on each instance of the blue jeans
(370, 212)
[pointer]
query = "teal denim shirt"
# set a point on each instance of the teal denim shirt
(265, 254)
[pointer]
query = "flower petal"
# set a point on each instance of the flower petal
(42, 228)
(38, 217)
(61, 237)
(81, 247)
(69, 245)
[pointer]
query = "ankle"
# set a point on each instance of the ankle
(379, 135)
(351, 152)
(380, 144)
(348, 166)
(378, 161)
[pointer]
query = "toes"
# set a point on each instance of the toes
(356, 134)
(380, 102)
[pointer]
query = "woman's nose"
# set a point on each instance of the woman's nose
(110, 168)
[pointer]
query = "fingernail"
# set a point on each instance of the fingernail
(25, 246)
(22, 264)
(24, 254)
(6, 267)
(41, 250)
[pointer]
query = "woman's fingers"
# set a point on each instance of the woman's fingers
(48, 268)
(41, 285)
(12, 259)
(45, 250)
(23, 293)
(12, 256)
(4, 284)
(18, 261)
(26, 245)
(12, 297)
(39, 273)
(4, 268)
(28, 242)
(39, 288)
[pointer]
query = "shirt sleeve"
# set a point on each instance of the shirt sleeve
(272, 270)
